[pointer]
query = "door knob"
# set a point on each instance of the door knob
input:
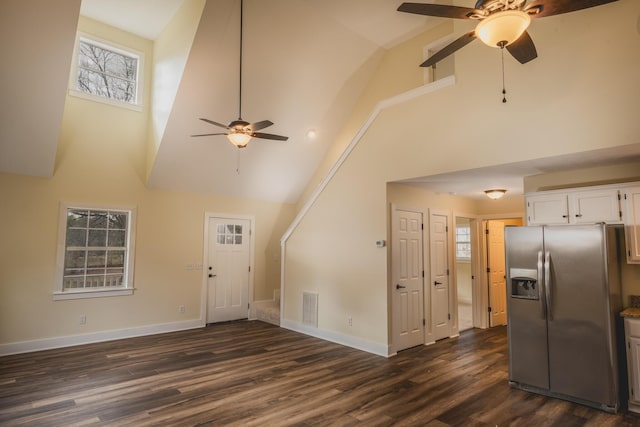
(212, 275)
(436, 283)
(398, 286)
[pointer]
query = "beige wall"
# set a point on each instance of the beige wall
(560, 103)
(101, 160)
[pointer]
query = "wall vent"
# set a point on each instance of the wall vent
(310, 308)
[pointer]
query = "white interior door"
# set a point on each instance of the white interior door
(228, 269)
(497, 277)
(439, 247)
(407, 279)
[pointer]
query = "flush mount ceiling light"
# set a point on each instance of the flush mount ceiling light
(495, 193)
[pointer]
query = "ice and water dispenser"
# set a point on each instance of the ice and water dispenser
(524, 283)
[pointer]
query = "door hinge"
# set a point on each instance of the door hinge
(447, 271)
(489, 309)
(424, 322)
(248, 306)
(488, 270)
(423, 274)
(446, 228)
(486, 231)
(249, 269)
(618, 196)
(422, 226)
(449, 316)
(625, 196)
(620, 212)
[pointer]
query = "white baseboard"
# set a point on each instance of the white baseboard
(338, 338)
(93, 337)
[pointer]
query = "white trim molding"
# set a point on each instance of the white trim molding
(94, 337)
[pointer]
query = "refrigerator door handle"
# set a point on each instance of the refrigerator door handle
(547, 284)
(540, 299)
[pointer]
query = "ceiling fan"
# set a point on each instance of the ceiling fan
(502, 23)
(240, 132)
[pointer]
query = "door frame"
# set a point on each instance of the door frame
(390, 296)
(482, 285)
(204, 293)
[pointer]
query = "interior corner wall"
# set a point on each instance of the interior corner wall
(170, 52)
(581, 94)
(101, 160)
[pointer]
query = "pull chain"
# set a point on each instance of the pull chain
(504, 91)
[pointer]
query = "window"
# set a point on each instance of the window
(106, 72)
(95, 252)
(463, 242)
(229, 234)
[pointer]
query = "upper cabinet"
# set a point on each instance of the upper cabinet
(574, 207)
(631, 216)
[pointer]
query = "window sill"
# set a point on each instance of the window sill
(103, 100)
(91, 293)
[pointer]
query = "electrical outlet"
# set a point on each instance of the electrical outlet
(350, 321)
(83, 319)
(181, 309)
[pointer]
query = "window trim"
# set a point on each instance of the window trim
(117, 48)
(59, 293)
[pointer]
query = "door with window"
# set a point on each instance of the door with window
(228, 269)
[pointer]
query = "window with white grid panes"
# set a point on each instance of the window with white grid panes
(96, 250)
(463, 242)
(229, 234)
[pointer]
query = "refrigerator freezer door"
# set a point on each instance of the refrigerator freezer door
(581, 361)
(527, 326)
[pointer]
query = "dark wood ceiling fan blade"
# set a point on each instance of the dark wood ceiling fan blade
(260, 125)
(457, 44)
(214, 123)
(523, 49)
(269, 136)
(542, 8)
(439, 10)
(209, 134)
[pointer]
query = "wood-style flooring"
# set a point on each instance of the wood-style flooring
(253, 373)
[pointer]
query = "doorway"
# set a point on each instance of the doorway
(464, 273)
(227, 267)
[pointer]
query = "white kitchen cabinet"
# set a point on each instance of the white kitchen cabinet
(547, 209)
(631, 216)
(574, 207)
(632, 338)
(591, 206)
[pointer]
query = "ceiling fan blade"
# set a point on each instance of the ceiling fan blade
(260, 125)
(210, 134)
(439, 10)
(542, 8)
(269, 136)
(214, 123)
(459, 43)
(523, 49)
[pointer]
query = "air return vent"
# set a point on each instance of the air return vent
(310, 309)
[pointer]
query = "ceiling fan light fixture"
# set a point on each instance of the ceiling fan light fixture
(239, 138)
(495, 193)
(503, 28)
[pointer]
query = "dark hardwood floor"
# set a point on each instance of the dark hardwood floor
(253, 373)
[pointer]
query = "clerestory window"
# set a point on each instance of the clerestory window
(106, 72)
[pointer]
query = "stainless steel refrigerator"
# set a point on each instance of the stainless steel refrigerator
(563, 301)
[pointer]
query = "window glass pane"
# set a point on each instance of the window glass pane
(238, 240)
(117, 221)
(221, 239)
(230, 228)
(97, 238)
(98, 219)
(238, 229)
(115, 259)
(116, 238)
(229, 240)
(77, 218)
(74, 259)
(220, 228)
(76, 237)
(96, 259)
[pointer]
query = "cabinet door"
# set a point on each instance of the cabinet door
(591, 206)
(631, 216)
(633, 359)
(547, 209)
